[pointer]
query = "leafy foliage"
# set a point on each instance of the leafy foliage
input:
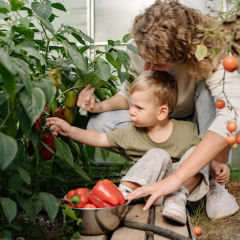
(30, 48)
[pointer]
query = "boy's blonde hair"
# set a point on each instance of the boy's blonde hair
(167, 32)
(161, 85)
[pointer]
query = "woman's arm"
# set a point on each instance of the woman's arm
(211, 146)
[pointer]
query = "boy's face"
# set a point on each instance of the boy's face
(143, 111)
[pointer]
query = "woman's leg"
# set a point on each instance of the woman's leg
(108, 121)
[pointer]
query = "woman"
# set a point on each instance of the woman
(166, 36)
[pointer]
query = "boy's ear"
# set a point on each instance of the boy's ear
(163, 112)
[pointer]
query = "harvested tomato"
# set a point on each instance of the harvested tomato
(234, 146)
(220, 104)
(238, 139)
(56, 76)
(231, 126)
(231, 139)
(197, 230)
(89, 205)
(106, 194)
(78, 198)
(230, 63)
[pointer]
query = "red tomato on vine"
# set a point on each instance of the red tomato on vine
(231, 139)
(234, 146)
(230, 63)
(238, 139)
(231, 126)
(220, 104)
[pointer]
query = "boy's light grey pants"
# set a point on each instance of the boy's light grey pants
(156, 164)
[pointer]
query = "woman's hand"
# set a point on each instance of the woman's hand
(220, 172)
(156, 190)
(86, 100)
(59, 126)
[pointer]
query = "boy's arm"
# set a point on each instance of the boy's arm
(92, 138)
(88, 137)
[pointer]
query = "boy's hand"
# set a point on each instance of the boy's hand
(220, 172)
(59, 126)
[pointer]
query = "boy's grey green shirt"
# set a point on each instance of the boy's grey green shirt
(136, 142)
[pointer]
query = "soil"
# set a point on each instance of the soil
(227, 228)
(222, 229)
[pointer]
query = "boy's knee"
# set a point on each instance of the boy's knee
(159, 154)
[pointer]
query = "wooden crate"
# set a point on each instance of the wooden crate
(152, 216)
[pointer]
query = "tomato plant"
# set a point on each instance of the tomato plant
(197, 230)
(220, 104)
(230, 63)
(231, 126)
(39, 65)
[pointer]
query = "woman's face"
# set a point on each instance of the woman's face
(156, 66)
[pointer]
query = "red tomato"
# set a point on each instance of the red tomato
(238, 139)
(197, 230)
(234, 146)
(231, 139)
(220, 104)
(230, 63)
(231, 126)
(89, 205)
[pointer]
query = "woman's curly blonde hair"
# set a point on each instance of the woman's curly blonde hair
(167, 32)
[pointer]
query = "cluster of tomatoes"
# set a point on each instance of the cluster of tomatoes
(230, 64)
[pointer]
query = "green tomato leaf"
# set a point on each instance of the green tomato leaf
(15, 182)
(115, 63)
(34, 53)
(50, 204)
(27, 32)
(126, 38)
(8, 150)
(124, 58)
(26, 80)
(48, 25)
(201, 52)
(76, 57)
(86, 37)
(3, 97)
(50, 89)
(2, 16)
(59, 6)
(123, 76)
(44, 11)
(9, 208)
(81, 173)
(24, 121)
(133, 48)
(25, 176)
(63, 151)
(4, 7)
(28, 206)
(68, 211)
(33, 103)
(10, 126)
(102, 69)
(25, 22)
(16, 4)
(38, 206)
